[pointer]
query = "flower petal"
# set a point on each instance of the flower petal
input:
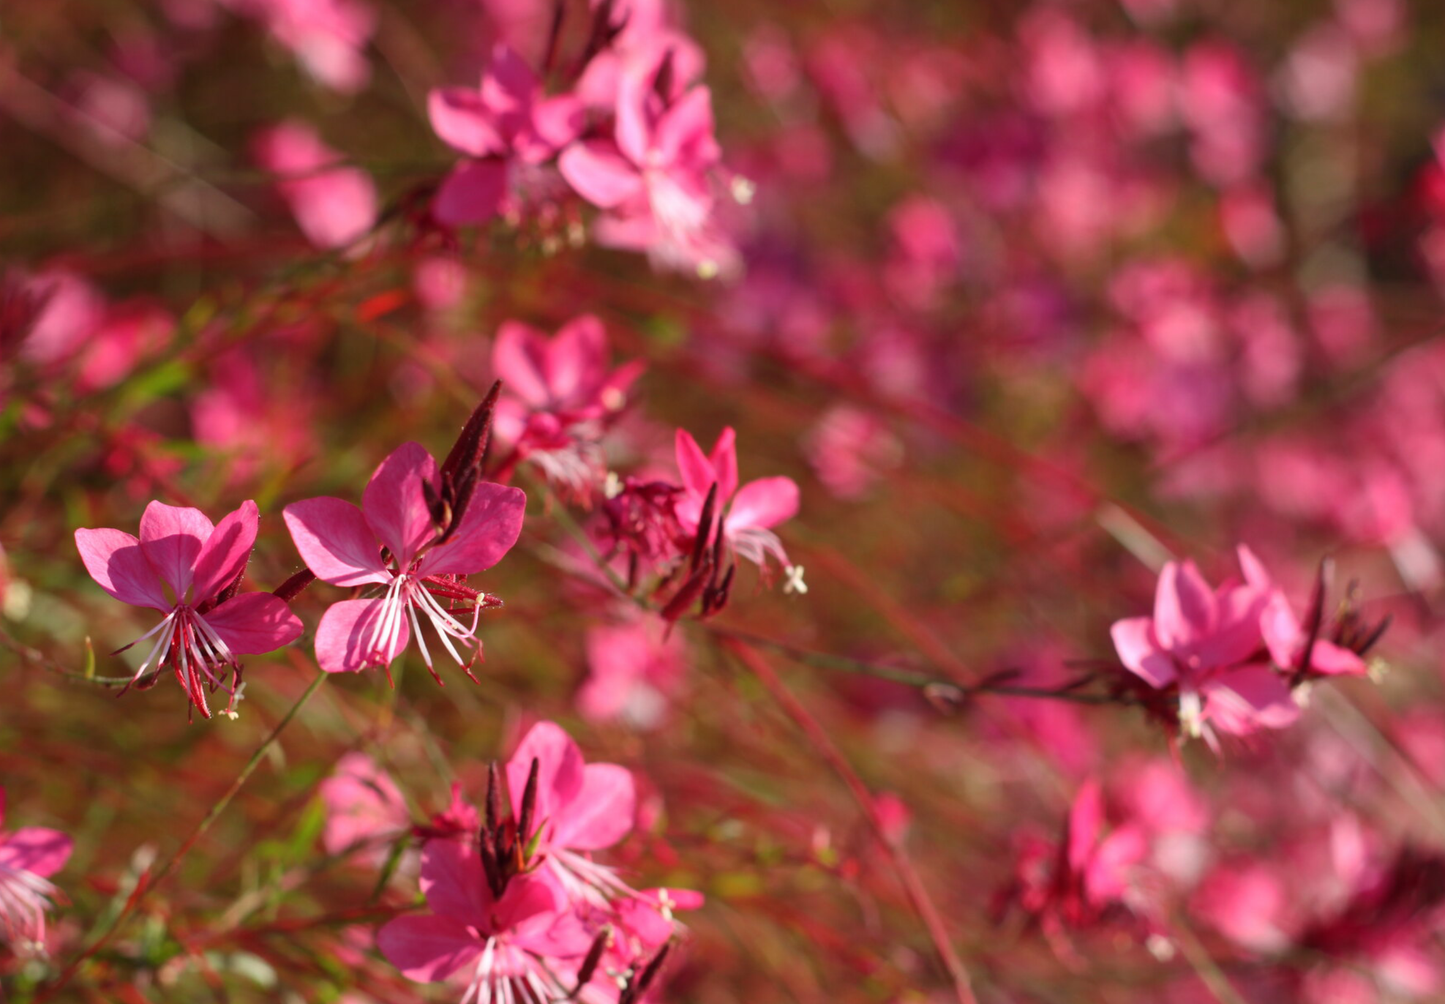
(1254, 697)
(1333, 660)
(603, 811)
(346, 638)
(225, 552)
(576, 359)
(1183, 606)
(599, 173)
(35, 849)
(559, 774)
(428, 949)
(693, 465)
(252, 623)
(454, 883)
(117, 564)
(519, 360)
(172, 538)
(490, 526)
(724, 459)
(463, 122)
(685, 131)
(1140, 653)
(471, 193)
(335, 541)
(764, 503)
(394, 504)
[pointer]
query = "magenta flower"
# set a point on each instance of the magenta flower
(189, 568)
(392, 541)
(580, 807)
(505, 948)
(654, 177)
(28, 857)
(504, 122)
(1209, 645)
(749, 513)
(560, 397)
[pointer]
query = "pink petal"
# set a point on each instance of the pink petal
(1254, 571)
(463, 122)
(764, 503)
(1107, 875)
(576, 358)
(36, 849)
(428, 949)
(724, 459)
(346, 638)
(1134, 641)
(519, 360)
(633, 131)
(1329, 658)
(172, 537)
(599, 173)
(1183, 606)
(1086, 822)
(252, 623)
(530, 902)
(363, 805)
(1235, 636)
(471, 193)
(454, 883)
(1281, 631)
(225, 552)
(558, 121)
(335, 541)
(490, 526)
(603, 811)
(394, 504)
(115, 561)
(685, 131)
(560, 770)
(1255, 697)
(694, 466)
(509, 84)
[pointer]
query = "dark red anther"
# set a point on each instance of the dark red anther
(683, 600)
(494, 797)
(594, 956)
(704, 529)
(292, 587)
(1314, 619)
(637, 985)
(529, 803)
(717, 596)
(554, 36)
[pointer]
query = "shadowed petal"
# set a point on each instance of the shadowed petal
(576, 358)
(459, 117)
(490, 526)
(172, 537)
(115, 561)
(1183, 606)
(252, 623)
(519, 361)
(35, 849)
(394, 504)
(428, 949)
(602, 812)
(454, 883)
(471, 193)
(765, 503)
(1134, 641)
(1247, 699)
(685, 131)
(225, 552)
(346, 638)
(335, 541)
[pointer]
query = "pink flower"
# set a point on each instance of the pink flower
(393, 541)
(654, 177)
(559, 397)
(504, 121)
(1291, 646)
(504, 947)
(364, 809)
(1207, 644)
(206, 625)
(28, 857)
(580, 807)
(748, 513)
(334, 205)
(633, 673)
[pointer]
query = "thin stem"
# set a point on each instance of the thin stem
(902, 864)
(148, 882)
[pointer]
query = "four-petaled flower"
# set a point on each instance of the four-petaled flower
(28, 857)
(189, 568)
(393, 541)
(755, 508)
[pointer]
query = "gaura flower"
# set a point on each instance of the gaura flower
(189, 568)
(1208, 644)
(749, 513)
(28, 857)
(393, 541)
(364, 809)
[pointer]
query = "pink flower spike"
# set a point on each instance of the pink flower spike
(205, 627)
(579, 807)
(393, 542)
(28, 857)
